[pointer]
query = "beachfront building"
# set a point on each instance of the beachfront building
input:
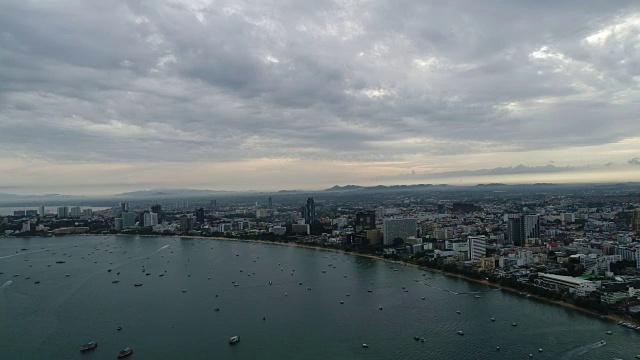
(578, 286)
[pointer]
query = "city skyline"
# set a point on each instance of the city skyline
(107, 97)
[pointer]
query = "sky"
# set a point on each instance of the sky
(100, 97)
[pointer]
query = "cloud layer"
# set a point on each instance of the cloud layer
(348, 81)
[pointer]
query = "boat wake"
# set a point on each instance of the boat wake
(5, 285)
(581, 350)
(162, 248)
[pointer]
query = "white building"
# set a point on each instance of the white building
(26, 226)
(477, 247)
(580, 287)
(76, 212)
(568, 218)
(41, 210)
(399, 228)
(524, 258)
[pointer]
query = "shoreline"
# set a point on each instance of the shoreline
(611, 317)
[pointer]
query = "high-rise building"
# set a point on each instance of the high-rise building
(531, 227)
(516, 229)
(41, 210)
(477, 247)
(26, 226)
(200, 216)
(187, 222)
(150, 219)
(124, 207)
(128, 220)
(157, 208)
(63, 212)
(213, 205)
(270, 203)
(365, 220)
(398, 228)
(87, 213)
(522, 227)
(309, 212)
(635, 220)
(31, 213)
(380, 213)
(76, 212)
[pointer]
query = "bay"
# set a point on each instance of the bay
(284, 320)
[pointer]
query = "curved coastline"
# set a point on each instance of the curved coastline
(610, 317)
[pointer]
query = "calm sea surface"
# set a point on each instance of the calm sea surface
(50, 320)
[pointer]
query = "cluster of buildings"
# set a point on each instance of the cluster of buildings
(575, 243)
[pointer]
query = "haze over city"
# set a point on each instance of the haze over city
(100, 97)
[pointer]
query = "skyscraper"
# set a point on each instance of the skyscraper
(200, 216)
(41, 210)
(516, 229)
(124, 207)
(309, 212)
(523, 227)
(76, 212)
(63, 212)
(270, 203)
(531, 226)
(365, 220)
(635, 221)
(150, 219)
(213, 204)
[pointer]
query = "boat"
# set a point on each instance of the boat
(637, 356)
(460, 333)
(184, 290)
(365, 346)
(609, 332)
(216, 309)
(497, 348)
(67, 275)
(341, 302)
(423, 298)
(416, 338)
(234, 339)
(493, 319)
(119, 328)
(477, 296)
(115, 281)
(540, 350)
(514, 324)
(88, 346)
(602, 342)
(137, 284)
(422, 339)
(369, 290)
(59, 262)
(124, 352)
(458, 312)
(161, 275)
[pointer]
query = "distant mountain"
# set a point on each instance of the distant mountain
(345, 188)
(171, 193)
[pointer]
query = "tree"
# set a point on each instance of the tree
(398, 241)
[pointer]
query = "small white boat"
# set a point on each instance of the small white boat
(365, 346)
(460, 333)
(540, 350)
(234, 339)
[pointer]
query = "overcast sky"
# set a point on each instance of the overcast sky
(108, 96)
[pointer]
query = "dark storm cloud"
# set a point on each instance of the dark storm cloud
(351, 80)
